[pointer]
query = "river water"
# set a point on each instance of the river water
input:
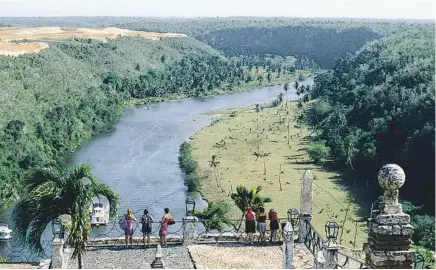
(139, 158)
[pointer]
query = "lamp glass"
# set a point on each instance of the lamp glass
(190, 206)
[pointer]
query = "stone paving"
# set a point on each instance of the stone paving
(136, 258)
(243, 257)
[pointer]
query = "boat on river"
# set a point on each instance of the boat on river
(5, 232)
(99, 214)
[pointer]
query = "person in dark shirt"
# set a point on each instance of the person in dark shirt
(273, 224)
(261, 223)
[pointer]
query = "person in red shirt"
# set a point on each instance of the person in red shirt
(274, 223)
(250, 224)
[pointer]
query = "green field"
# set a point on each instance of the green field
(235, 137)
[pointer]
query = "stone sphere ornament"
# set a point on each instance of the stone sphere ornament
(391, 177)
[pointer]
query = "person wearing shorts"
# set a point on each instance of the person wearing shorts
(250, 224)
(146, 221)
(261, 224)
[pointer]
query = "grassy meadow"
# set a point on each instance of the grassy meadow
(239, 133)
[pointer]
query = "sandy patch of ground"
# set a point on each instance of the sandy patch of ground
(247, 257)
(8, 34)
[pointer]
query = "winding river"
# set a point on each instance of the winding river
(139, 158)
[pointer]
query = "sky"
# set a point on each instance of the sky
(386, 9)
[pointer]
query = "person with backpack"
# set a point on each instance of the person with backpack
(146, 221)
(167, 219)
(127, 225)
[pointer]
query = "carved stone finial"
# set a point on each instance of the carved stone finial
(391, 176)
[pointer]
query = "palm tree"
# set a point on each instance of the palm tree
(245, 198)
(257, 113)
(286, 88)
(214, 164)
(50, 193)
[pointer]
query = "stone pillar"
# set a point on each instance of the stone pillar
(288, 246)
(305, 205)
(158, 261)
(319, 260)
(390, 232)
(189, 230)
(330, 253)
(57, 258)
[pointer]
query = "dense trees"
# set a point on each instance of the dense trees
(377, 107)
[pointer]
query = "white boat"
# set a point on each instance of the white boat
(5, 232)
(99, 214)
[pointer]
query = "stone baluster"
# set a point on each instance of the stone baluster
(330, 252)
(305, 205)
(158, 261)
(58, 259)
(390, 231)
(189, 230)
(288, 246)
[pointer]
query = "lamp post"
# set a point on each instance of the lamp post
(56, 227)
(190, 206)
(331, 231)
(294, 217)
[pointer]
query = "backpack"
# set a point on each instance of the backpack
(123, 224)
(146, 220)
(171, 221)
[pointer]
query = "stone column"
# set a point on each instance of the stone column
(57, 257)
(158, 261)
(390, 232)
(305, 205)
(288, 246)
(330, 253)
(189, 230)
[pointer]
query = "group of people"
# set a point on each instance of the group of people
(128, 220)
(127, 224)
(261, 217)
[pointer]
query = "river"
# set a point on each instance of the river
(139, 158)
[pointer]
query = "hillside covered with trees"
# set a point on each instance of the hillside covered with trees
(377, 106)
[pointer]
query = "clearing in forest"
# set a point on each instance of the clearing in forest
(239, 134)
(9, 36)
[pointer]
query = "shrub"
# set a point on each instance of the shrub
(318, 151)
(424, 231)
(189, 167)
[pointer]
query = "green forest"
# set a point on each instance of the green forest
(377, 106)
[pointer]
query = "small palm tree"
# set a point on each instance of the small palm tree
(214, 164)
(51, 193)
(245, 198)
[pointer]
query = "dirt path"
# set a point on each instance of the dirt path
(9, 34)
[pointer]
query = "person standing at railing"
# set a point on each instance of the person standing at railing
(163, 232)
(250, 224)
(273, 224)
(146, 221)
(129, 220)
(261, 223)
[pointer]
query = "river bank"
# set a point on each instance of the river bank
(239, 134)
